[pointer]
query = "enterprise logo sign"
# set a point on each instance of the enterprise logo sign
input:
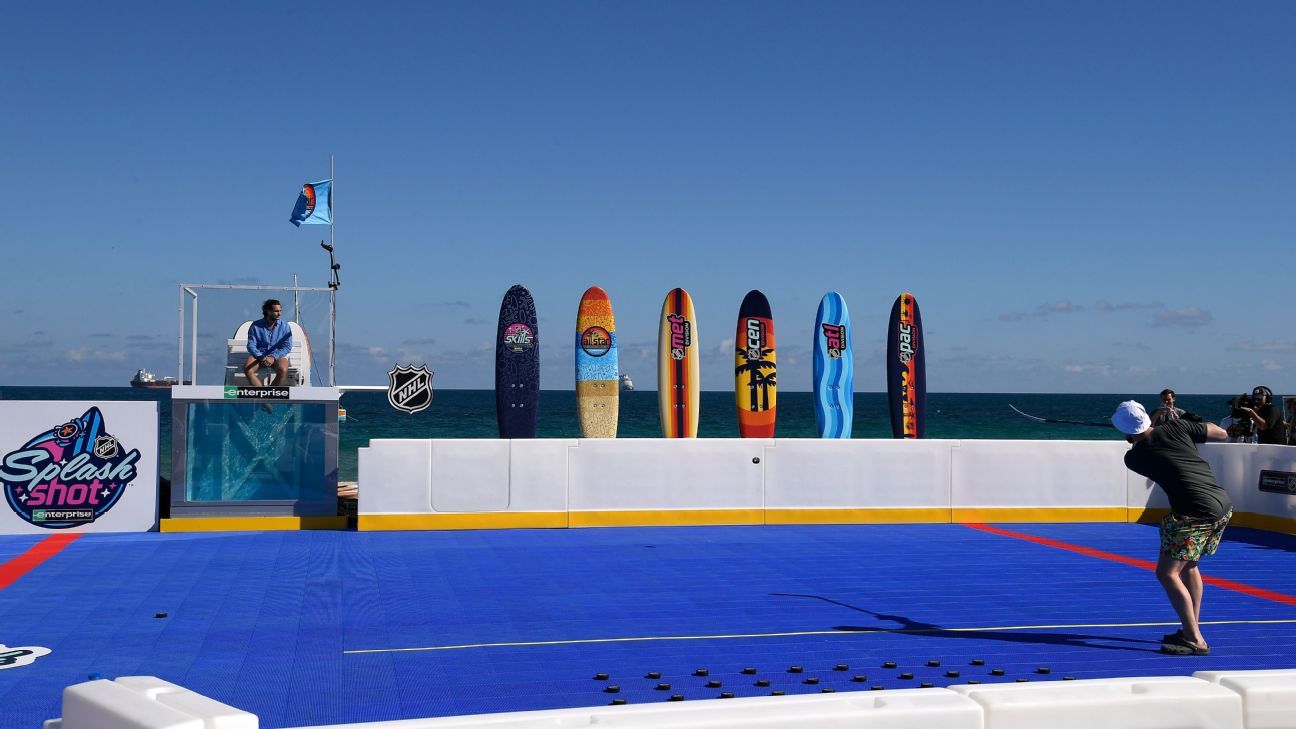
(255, 393)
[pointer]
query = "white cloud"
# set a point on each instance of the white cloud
(1277, 345)
(1189, 316)
(85, 354)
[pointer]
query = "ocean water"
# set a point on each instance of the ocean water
(471, 414)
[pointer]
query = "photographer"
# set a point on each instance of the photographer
(1240, 424)
(1267, 417)
(1167, 411)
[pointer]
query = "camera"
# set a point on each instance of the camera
(1239, 402)
(1243, 426)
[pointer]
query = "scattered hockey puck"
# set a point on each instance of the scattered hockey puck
(663, 687)
(702, 672)
(676, 697)
(933, 664)
(906, 676)
(726, 694)
(841, 667)
(951, 674)
(653, 674)
(612, 689)
(749, 671)
(601, 677)
(859, 679)
(795, 669)
(811, 681)
(996, 672)
(619, 701)
(762, 682)
(1043, 670)
(713, 684)
(889, 664)
(978, 661)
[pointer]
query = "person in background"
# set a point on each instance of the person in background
(1199, 511)
(1167, 411)
(1267, 417)
(1291, 420)
(269, 342)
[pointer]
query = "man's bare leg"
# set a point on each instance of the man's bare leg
(250, 368)
(281, 370)
(1170, 572)
(1192, 580)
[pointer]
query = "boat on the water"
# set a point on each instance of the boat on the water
(147, 379)
(627, 385)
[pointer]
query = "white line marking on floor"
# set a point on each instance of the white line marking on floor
(865, 631)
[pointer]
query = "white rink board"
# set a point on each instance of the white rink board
(134, 425)
(474, 476)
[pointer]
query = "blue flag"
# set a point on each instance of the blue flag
(314, 204)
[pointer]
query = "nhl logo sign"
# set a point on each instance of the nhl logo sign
(409, 389)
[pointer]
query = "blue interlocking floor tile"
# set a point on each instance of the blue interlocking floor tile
(308, 628)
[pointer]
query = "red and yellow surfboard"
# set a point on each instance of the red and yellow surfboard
(678, 380)
(755, 368)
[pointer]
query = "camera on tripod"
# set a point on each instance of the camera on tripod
(1243, 425)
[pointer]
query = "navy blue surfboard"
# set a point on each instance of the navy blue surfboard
(834, 368)
(517, 365)
(906, 363)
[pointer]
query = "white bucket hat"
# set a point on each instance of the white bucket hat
(1131, 418)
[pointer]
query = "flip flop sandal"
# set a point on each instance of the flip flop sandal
(1181, 646)
(1171, 636)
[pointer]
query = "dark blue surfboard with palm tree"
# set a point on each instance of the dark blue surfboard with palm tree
(517, 365)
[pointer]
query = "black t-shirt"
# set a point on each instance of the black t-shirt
(1274, 434)
(1169, 457)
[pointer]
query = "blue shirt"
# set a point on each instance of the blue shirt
(263, 339)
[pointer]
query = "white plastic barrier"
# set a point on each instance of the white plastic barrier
(904, 709)
(1208, 700)
(144, 702)
(1268, 697)
(1170, 702)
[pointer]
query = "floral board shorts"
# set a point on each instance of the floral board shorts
(1189, 538)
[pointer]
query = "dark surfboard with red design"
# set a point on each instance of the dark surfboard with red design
(906, 365)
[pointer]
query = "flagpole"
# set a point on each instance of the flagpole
(332, 289)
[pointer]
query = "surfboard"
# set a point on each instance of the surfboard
(834, 368)
(755, 368)
(906, 369)
(597, 378)
(517, 365)
(677, 367)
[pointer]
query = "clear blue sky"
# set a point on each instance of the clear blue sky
(1084, 197)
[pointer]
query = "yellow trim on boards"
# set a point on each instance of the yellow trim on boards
(714, 517)
(921, 515)
(252, 523)
(1148, 515)
(1265, 522)
(1039, 514)
(482, 520)
(667, 517)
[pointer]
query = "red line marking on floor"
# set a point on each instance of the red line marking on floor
(1245, 589)
(31, 559)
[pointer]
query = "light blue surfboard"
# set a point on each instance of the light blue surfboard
(834, 368)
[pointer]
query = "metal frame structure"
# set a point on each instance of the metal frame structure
(191, 291)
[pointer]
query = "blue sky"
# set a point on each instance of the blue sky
(1083, 197)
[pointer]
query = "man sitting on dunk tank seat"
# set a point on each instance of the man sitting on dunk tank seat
(268, 344)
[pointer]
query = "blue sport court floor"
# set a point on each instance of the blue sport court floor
(306, 628)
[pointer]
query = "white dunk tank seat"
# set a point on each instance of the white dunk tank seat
(299, 359)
